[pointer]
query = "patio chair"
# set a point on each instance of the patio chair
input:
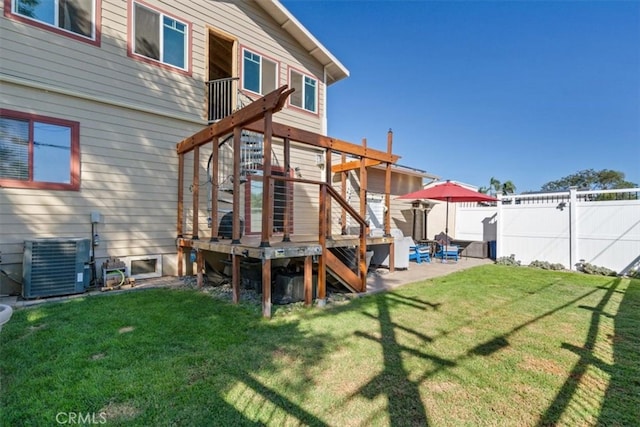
(419, 253)
(446, 252)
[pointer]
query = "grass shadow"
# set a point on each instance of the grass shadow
(622, 398)
(623, 373)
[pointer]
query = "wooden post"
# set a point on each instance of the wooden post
(322, 236)
(180, 261)
(266, 288)
(363, 182)
(308, 280)
(200, 267)
(180, 224)
(215, 185)
(195, 188)
(362, 252)
(387, 203)
(343, 193)
(235, 278)
(267, 184)
(327, 178)
(288, 208)
(237, 139)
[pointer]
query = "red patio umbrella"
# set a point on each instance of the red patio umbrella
(449, 192)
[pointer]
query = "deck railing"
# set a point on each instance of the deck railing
(221, 94)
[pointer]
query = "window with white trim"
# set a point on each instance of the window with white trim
(260, 75)
(160, 37)
(306, 92)
(75, 16)
(38, 152)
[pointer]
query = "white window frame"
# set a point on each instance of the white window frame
(262, 58)
(157, 273)
(304, 76)
(56, 20)
(161, 15)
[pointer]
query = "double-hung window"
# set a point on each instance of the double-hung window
(72, 17)
(160, 37)
(260, 74)
(306, 92)
(38, 152)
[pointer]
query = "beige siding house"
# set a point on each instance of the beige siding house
(95, 95)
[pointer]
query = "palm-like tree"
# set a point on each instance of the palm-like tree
(507, 187)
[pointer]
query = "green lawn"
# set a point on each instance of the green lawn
(494, 345)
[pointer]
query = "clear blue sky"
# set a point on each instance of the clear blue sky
(526, 91)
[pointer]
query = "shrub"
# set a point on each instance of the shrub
(587, 268)
(510, 260)
(546, 265)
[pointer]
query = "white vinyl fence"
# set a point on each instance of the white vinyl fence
(598, 227)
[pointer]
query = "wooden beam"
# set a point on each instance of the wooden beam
(273, 102)
(322, 141)
(195, 189)
(266, 288)
(348, 166)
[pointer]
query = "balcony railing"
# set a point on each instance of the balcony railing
(221, 97)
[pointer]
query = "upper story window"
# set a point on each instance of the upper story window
(160, 37)
(260, 74)
(75, 18)
(38, 152)
(306, 92)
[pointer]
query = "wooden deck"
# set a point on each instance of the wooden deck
(299, 246)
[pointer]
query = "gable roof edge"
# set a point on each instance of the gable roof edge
(334, 68)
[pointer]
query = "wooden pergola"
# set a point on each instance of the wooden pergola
(258, 117)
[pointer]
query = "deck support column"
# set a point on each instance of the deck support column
(180, 215)
(387, 203)
(288, 208)
(235, 278)
(327, 179)
(322, 237)
(214, 190)
(195, 188)
(343, 193)
(200, 267)
(268, 184)
(308, 281)
(235, 231)
(266, 288)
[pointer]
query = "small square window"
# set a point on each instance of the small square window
(260, 75)
(38, 152)
(159, 37)
(306, 93)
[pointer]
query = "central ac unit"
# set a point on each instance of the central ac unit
(55, 267)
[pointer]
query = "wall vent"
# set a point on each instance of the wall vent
(55, 267)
